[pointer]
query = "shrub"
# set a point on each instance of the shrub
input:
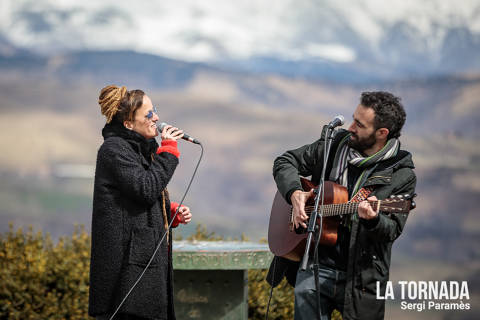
(281, 305)
(40, 280)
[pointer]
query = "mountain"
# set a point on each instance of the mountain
(427, 99)
(12, 57)
(346, 41)
(126, 67)
(51, 121)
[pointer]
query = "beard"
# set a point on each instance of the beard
(362, 144)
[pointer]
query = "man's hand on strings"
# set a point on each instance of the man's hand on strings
(365, 210)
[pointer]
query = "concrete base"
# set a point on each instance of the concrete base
(211, 294)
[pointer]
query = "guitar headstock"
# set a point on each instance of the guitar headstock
(401, 203)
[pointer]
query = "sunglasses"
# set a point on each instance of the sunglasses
(151, 112)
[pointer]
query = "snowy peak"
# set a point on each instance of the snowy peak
(399, 36)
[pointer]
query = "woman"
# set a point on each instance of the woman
(131, 210)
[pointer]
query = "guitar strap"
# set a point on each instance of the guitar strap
(361, 195)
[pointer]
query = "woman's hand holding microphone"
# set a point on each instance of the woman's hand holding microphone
(171, 133)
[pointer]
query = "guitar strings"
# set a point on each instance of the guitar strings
(345, 208)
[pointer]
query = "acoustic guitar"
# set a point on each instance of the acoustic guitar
(286, 241)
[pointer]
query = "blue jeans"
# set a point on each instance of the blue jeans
(332, 291)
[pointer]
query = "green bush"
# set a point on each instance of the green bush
(281, 305)
(41, 280)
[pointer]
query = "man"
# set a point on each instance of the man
(365, 158)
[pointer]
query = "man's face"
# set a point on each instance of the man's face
(362, 129)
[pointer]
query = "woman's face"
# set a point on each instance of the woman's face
(145, 122)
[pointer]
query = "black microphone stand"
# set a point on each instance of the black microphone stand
(319, 194)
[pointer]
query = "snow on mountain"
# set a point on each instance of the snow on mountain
(405, 35)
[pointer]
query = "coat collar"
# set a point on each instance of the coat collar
(136, 140)
(381, 173)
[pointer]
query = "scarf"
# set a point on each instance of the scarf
(346, 155)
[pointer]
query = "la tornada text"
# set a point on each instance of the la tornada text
(428, 295)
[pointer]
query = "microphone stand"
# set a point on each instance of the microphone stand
(320, 193)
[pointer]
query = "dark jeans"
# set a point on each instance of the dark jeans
(332, 291)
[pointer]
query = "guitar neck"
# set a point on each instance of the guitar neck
(388, 205)
(331, 210)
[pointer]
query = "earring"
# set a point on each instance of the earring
(128, 125)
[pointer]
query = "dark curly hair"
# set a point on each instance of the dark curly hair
(389, 111)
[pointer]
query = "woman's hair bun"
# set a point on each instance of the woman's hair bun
(109, 100)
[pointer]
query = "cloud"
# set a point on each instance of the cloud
(216, 29)
(334, 52)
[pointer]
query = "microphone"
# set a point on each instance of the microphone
(185, 136)
(337, 121)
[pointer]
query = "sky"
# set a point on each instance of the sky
(212, 30)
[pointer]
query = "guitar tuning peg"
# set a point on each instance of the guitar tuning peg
(413, 205)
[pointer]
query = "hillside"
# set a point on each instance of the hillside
(51, 119)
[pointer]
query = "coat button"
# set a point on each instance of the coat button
(374, 257)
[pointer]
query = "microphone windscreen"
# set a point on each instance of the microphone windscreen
(161, 126)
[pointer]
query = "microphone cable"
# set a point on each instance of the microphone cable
(163, 238)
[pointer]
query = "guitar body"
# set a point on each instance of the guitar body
(282, 238)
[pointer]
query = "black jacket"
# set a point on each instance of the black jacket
(370, 245)
(129, 202)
